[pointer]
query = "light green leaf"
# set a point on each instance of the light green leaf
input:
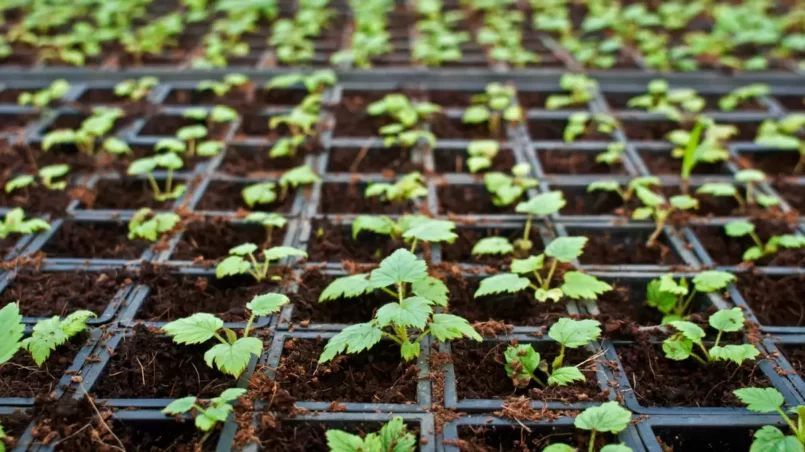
(504, 282)
(521, 363)
(575, 333)
(739, 228)
(353, 339)
(232, 359)
(11, 330)
(379, 224)
(657, 298)
(565, 249)
(266, 304)
(542, 204)
(339, 441)
(677, 347)
(180, 406)
(690, 331)
(616, 448)
(196, 329)
(609, 417)
(232, 265)
(581, 285)
(446, 327)
(347, 287)
(564, 376)
(736, 353)
(411, 312)
(559, 447)
(276, 253)
(712, 280)
(727, 320)
(402, 266)
(771, 439)
(543, 295)
(432, 289)
(528, 265)
(492, 245)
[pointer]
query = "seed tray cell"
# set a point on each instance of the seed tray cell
(770, 297)
(708, 432)
(577, 159)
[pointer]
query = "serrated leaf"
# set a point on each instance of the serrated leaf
(543, 295)
(690, 331)
(502, 283)
(727, 320)
(232, 265)
(521, 363)
(76, 322)
(400, 267)
(432, 289)
(180, 406)
(410, 312)
(492, 245)
(609, 417)
(339, 441)
(379, 224)
(564, 376)
(394, 437)
(677, 347)
(712, 280)
(352, 339)
(648, 197)
(771, 439)
(243, 249)
(47, 335)
(735, 353)
(616, 448)
(565, 249)
(575, 333)
(280, 252)
(266, 304)
(409, 350)
(196, 329)
(669, 285)
(11, 330)
(581, 285)
(347, 287)
(446, 327)
(543, 204)
(657, 298)
(528, 265)
(432, 231)
(232, 359)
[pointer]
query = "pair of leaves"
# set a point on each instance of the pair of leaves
(576, 285)
(522, 362)
(15, 222)
(207, 418)
(392, 437)
(680, 346)
(147, 225)
(240, 259)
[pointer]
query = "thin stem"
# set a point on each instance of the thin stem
(686, 305)
(392, 337)
(248, 326)
(191, 148)
(169, 182)
(388, 291)
(557, 363)
(698, 358)
(718, 338)
(591, 447)
(750, 196)
(413, 246)
(740, 199)
(539, 278)
(757, 241)
(422, 336)
(706, 353)
(547, 283)
(539, 381)
(256, 273)
(527, 228)
(223, 341)
(656, 234)
(791, 425)
(154, 185)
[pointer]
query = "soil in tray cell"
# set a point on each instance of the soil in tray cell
(718, 206)
(179, 96)
(174, 296)
(565, 162)
(772, 162)
(253, 161)
(469, 199)
(694, 385)
(14, 426)
(794, 103)
(258, 126)
(281, 435)
(89, 240)
(287, 97)
(7, 244)
(73, 121)
(169, 435)
(519, 309)
(794, 195)
(554, 129)
(775, 300)
(625, 247)
(228, 196)
(454, 128)
(349, 198)
(449, 98)
(307, 307)
(461, 249)
(167, 126)
(705, 438)
(536, 100)
(145, 365)
(388, 161)
(331, 243)
(663, 163)
(582, 202)
(22, 156)
(493, 438)
(211, 239)
(125, 194)
(481, 374)
(795, 355)
(21, 377)
(651, 130)
(726, 250)
(374, 376)
(36, 200)
(455, 161)
(13, 122)
(357, 122)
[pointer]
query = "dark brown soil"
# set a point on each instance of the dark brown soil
(126, 194)
(705, 438)
(348, 198)
(652, 130)
(581, 202)
(481, 374)
(451, 128)
(719, 206)
(795, 355)
(287, 435)
(667, 383)
(20, 377)
(149, 366)
(353, 310)
(7, 244)
(357, 123)
(626, 247)
(554, 129)
(178, 96)
(211, 239)
(375, 376)
(792, 102)
(376, 160)
(73, 121)
(250, 161)
(469, 199)
(86, 240)
(461, 249)
(24, 158)
(619, 101)
(14, 123)
(565, 161)
(454, 161)
(537, 99)
(330, 243)
(450, 98)
(776, 301)
(14, 426)
(228, 196)
(281, 96)
(516, 439)
(167, 126)
(773, 163)
(793, 194)
(43, 294)
(175, 296)
(172, 435)
(726, 250)
(258, 126)
(36, 200)
(663, 163)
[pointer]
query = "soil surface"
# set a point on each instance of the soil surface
(228, 196)
(517, 439)
(453, 128)
(777, 301)
(253, 161)
(461, 249)
(793, 194)
(353, 310)
(795, 355)
(581, 202)
(375, 160)
(287, 435)
(21, 377)
(333, 243)
(14, 426)
(554, 129)
(627, 247)
(726, 250)
(773, 163)
(469, 199)
(455, 161)
(348, 198)
(709, 438)
(92, 240)
(664, 163)
(211, 239)
(37, 200)
(126, 194)
(576, 162)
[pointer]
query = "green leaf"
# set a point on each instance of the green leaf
(604, 185)
(689, 330)
(232, 359)
(712, 280)
(677, 347)
(575, 333)
(76, 322)
(339, 441)
(232, 265)
(727, 320)
(616, 448)
(521, 363)
(402, 266)
(394, 437)
(581, 285)
(446, 327)
(433, 231)
(565, 249)
(609, 417)
(266, 304)
(209, 148)
(669, 285)
(301, 175)
(353, 339)
(648, 197)
(47, 335)
(543, 204)
(528, 265)
(771, 439)
(559, 447)
(230, 395)
(196, 329)
(347, 287)
(775, 141)
(739, 228)
(761, 400)
(736, 353)
(432, 289)
(262, 193)
(411, 312)
(657, 298)
(180, 406)
(409, 350)
(753, 253)
(717, 189)
(750, 175)
(492, 245)
(543, 295)
(62, 136)
(684, 202)
(502, 283)
(276, 253)
(170, 145)
(11, 330)
(564, 376)
(475, 114)
(379, 224)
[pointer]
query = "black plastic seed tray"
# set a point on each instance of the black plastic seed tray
(689, 432)
(757, 311)
(788, 350)
(21, 430)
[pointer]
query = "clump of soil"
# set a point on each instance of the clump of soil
(93, 240)
(307, 307)
(332, 243)
(775, 301)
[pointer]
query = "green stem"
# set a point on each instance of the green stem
(539, 381)
(539, 278)
(392, 337)
(386, 289)
(169, 182)
(248, 326)
(750, 196)
(718, 338)
(757, 241)
(424, 333)
(698, 358)
(223, 341)
(256, 273)
(740, 199)
(686, 305)
(790, 423)
(547, 283)
(413, 246)
(191, 148)
(591, 448)
(527, 228)
(706, 353)
(154, 185)
(656, 234)
(557, 363)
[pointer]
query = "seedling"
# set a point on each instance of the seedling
(116, 146)
(232, 355)
(242, 260)
(230, 81)
(136, 90)
(47, 334)
(594, 53)
(145, 224)
(206, 418)
(575, 285)
(407, 188)
(747, 177)
(147, 165)
(613, 155)
(626, 193)
(47, 176)
(582, 89)
(505, 189)
(659, 209)
(783, 134)
(315, 82)
(522, 361)
(94, 127)
(672, 102)
(42, 98)
(498, 102)
(436, 41)
(190, 135)
(741, 95)
(673, 299)
(260, 193)
(608, 417)
(392, 437)
(218, 114)
(411, 228)
(580, 123)
(296, 177)
(15, 223)
(743, 228)
(540, 205)
(679, 347)
(300, 121)
(269, 221)
(481, 153)
(394, 320)
(408, 116)
(769, 438)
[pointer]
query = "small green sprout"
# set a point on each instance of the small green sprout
(771, 438)
(42, 98)
(147, 165)
(481, 153)
(613, 154)
(15, 223)
(269, 221)
(85, 138)
(608, 417)
(672, 102)
(260, 193)
(498, 102)
(673, 299)
(741, 95)
(679, 347)
(692, 148)
(242, 260)
(579, 123)
(231, 81)
(411, 228)
(406, 131)
(116, 146)
(232, 354)
(190, 135)
(315, 82)
(136, 89)
(626, 193)
(522, 361)
(301, 121)
(576, 285)
(743, 228)
(47, 175)
(206, 418)
(407, 188)
(145, 224)
(393, 321)
(506, 190)
(749, 178)
(659, 209)
(783, 134)
(296, 177)
(540, 205)
(392, 437)
(265, 192)
(582, 89)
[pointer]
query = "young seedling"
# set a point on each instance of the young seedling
(136, 89)
(232, 354)
(659, 209)
(191, 135)
(506, 190)
(411, 228)
(540, 205)
(672, 102)
(783, 134)
(85, 138)
(301, 122)
(407, 188)
(46, 337)
(743, 228)
(679, 347)
(608, 417)
(406, 131)
(242, 260)
(297, 177)
(481, 153)
(581, 87)
(771, 438)
(579, 124)
(147, 165)
(575, 285)
(497, 103)
(673, 299)
(747, 177)
(523, 362)
(145, 224)
(231, 81)
(315, 82)
(626, 193)
(42, 98)
(269, 221)
(703, 144)
(393, 321)
(47, 176)
(742, 95)
(392, 437)
(15, 223)
(206, 418)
